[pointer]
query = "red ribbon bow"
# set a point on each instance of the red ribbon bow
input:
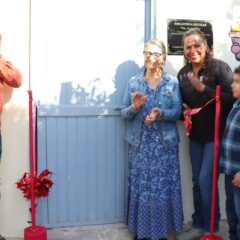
(189, 112)
(42, 184)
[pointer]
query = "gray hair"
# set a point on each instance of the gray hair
(159, 44)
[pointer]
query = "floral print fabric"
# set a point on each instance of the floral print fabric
(155, 203)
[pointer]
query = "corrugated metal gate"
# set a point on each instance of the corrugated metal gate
(82, 56)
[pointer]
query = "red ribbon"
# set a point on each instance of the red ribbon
(190, 112)
(42, 184)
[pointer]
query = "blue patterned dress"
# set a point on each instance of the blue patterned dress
(155, 202)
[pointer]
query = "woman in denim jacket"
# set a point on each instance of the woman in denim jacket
(152, 104)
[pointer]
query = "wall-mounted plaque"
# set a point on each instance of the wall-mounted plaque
(176, 29)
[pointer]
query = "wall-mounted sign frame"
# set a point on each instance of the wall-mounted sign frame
(176, 29)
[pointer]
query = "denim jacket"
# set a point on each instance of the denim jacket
(168, 100)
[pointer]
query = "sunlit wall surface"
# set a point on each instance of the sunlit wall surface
(14, 21)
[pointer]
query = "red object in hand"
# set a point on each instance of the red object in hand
(189, 113)
(188, 124)
(187, 119)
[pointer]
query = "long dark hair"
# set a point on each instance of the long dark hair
(237, 70)
(207, 65)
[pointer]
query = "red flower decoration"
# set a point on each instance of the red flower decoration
(42, 184)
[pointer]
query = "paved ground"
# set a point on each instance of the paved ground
(102, 232)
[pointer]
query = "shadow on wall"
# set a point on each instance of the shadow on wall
(170, 68)
(95, 94)
(124, 72)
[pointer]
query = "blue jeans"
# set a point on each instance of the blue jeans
(202, 156)
(232, 208)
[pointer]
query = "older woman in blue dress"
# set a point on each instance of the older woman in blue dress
(151, 106)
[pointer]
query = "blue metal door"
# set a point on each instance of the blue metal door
(83, 52)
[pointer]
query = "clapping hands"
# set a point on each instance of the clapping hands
(149, 119)
(137, 100)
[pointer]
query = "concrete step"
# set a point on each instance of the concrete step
(104, 232)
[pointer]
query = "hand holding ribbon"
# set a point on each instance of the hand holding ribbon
(188, 112)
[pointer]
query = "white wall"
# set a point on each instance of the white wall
(14, 21)
(222, 17)
(83, 46)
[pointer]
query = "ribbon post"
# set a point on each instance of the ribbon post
(33, 232)
(211, 236)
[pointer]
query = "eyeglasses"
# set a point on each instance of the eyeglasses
(154, 54)
(196, 46)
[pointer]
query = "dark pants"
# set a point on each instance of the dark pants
(232, 208)
(202, 156)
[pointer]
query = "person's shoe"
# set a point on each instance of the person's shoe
(190, 234)
(135, 237)
(2, 238)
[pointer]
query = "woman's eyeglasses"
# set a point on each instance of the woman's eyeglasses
(154, 54)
